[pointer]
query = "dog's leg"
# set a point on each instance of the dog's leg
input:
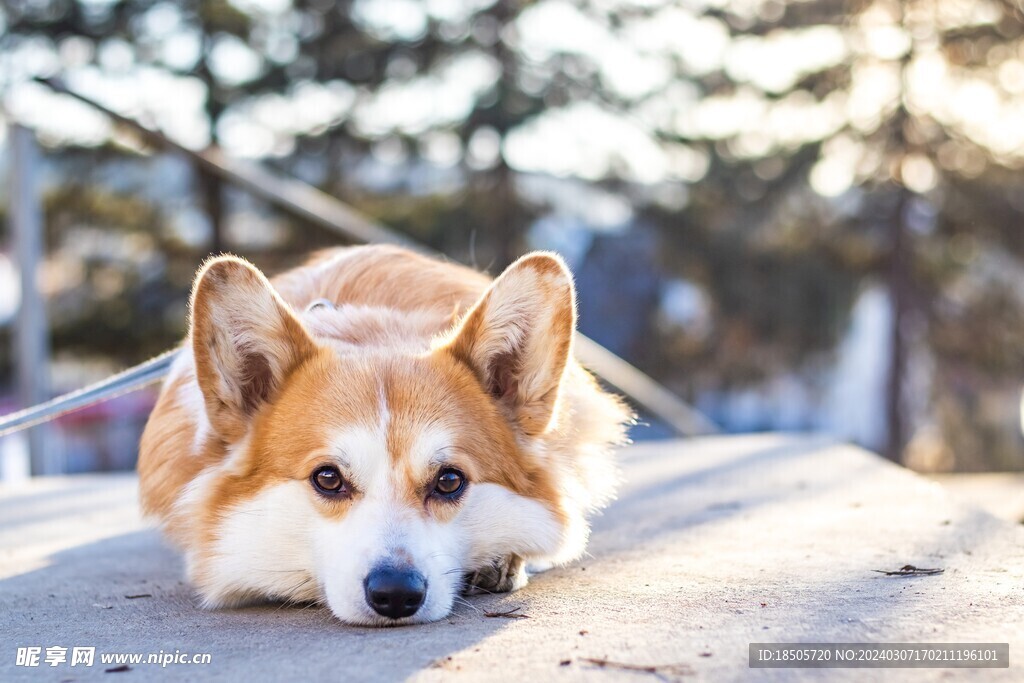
(502, 575)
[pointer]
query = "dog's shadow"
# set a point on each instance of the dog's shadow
(127, 594)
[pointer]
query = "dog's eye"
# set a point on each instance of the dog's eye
(450, 482)
(327, 480)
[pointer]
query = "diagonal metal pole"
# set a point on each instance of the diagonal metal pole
(133, 378)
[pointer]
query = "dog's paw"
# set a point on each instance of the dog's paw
(502, 575)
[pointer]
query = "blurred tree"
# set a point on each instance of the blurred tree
(786, 149)
(901, 112)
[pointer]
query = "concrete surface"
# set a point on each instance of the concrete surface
(713, 544)
(1000, 493)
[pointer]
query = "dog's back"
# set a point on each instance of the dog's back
(382, 276)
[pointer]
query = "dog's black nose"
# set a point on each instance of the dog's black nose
(395, 593)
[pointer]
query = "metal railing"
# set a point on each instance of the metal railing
(310, 204)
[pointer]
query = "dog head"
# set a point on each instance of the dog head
(376, 480)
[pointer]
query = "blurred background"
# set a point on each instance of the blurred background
(797, 215)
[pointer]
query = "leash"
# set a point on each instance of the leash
(125, 382)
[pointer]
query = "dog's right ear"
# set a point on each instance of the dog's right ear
(245, 340)
(518, 338)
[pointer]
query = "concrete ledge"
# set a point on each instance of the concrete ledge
(713, 544)
(1000, 493)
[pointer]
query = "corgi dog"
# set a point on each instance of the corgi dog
(378, 431)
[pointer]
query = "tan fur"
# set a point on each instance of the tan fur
(434, 343)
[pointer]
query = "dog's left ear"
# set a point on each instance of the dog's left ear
(245, 341)
(518, 338)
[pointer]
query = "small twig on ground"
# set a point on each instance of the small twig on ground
(659, 670)
(510, 614)
(910, 570)
(140, 595)
(118, 669)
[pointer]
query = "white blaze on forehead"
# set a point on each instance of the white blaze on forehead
(384, 413)
(363, 451)
(363, 456)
